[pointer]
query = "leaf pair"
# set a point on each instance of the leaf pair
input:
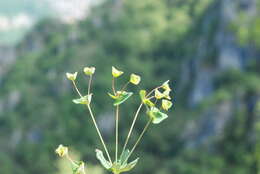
(120, 97)
(118, 166)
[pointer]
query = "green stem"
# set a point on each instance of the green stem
(89, 84)
(75, 86)
(140, 137)
(132, 126)
(99, 134)
(125, 86)
(117, 119)
(113, 85)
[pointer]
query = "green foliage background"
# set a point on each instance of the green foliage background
(151, 38)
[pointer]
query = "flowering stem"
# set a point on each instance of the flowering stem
(95, 124)
(99, 134)
(89, 84)
(132, 126)
(117, 119)
(140, 137)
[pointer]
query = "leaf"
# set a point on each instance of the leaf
(156, 115)
(129, 166)
(122, 97)
(124, 156)
(101, 158)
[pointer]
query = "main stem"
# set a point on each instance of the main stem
(117, 119)
(132, 126)
(140, 137)
(99, 134)
(89, 84)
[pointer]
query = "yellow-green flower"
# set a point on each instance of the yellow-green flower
(158, 94)
(166, 104)
(166, 86)
(89, 70)
(85, 100)
(62, 150)
(135, 79)
(72, 76)
(116, 73)
(166, 94)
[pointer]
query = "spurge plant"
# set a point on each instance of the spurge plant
(150, 100)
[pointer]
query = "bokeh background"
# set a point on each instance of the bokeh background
(209, 49)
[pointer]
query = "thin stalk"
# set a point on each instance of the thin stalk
(75, 86)
(132, 126)
(117, 119)
(68, 157)
(125, 86)
(89, 84)
(140, 137)
(113, 85)
(99, 134)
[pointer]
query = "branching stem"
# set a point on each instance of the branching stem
(132, 126)
(140, 137)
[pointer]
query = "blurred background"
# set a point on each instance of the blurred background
(209, 49)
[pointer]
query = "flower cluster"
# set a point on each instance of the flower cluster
(155, 101)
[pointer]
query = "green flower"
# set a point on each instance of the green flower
(166, 86)
(89, 70)
(120, 97)
(72, 76)
(85, 100)
(135, 79)
(166, 94)
(116, 73)
(62, 150)
(166, 104)
(158, 94)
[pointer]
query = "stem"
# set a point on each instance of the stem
(113, 86)
(125, 86)
(99, 134)
(140, 137)
(117, 119)
(75, 86)
(68, 157)
(132, 126)
(89, 84)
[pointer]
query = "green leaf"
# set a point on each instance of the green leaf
(122, 97)
(124, 156)
(156, 115)
(128, 167)
(101, 158)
